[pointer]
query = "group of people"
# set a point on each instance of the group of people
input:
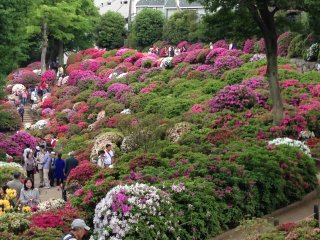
(50, 166)
(168, 51)
(28, 195)
(106, 157)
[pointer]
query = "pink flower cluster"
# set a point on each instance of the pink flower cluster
(80, 75)
(48, 76)
(284, 41)
(192, 56)
(236, 98)
(197, 108)
(213, 54)
(102, 94)
(90, 65)
(248, 46)
(179, 58)
(26, 77)
(224, 63)
(119, 202)
(148, 89)
(221, 44)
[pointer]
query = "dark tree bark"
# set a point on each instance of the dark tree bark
(265, 19)
(61, 53)
(44, 45)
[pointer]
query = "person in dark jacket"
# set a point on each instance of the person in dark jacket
(71, 163)
(59, 171)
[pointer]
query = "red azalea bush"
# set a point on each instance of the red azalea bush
(248, 46)
(47, 103)
(35, 65)
(73, 67)
(74, 58)
(48, 76)
(83, 172)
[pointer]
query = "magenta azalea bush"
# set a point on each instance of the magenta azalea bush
(80, 75)
(213, 54)
(48, 76)
(248, 46)
(179, 58)
(224, 63)
(25, 77)
(236, 98)
(192, 56)
(221, 44)
(284, 41)
(102, 94)
(90, 65)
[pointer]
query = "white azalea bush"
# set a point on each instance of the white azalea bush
(166, 63)
(7, 170)
(293, 143)
(136, 212)
(51, 204)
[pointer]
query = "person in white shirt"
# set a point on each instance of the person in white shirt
(25, 151)
(101, 158)
(109, 155)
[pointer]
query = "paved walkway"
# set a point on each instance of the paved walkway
(46, 194)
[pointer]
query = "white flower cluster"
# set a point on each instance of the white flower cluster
(306, 134)
(293, 143)
(126, 111)
(51, 204)
(312, 52)
(41, 124)
(17, 166)
(125, 206)
(18, 89)
(257, 57)
(166, 63)
(178, 188)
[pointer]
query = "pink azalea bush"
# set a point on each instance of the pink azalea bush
(195, 46)
(25, 77)
(255, 82)
(224, 63)
(284, 41)
(213, 54)
(185, 44)
(90, 65)
(221, 44)
(236, 98)
(248, 46)
(83, 172)
(179, 58)
(197, 108)
(35, 65)
(192, 56)
(79, 75)
(102, 94)
(48, 76)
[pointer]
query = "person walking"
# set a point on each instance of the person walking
(16, 184)
(21, 112)
(71, 163)
(30, 165)
(52, 168)
(29, 195)
(59, 171)
(24, 96)
(78, 230)
(101, 158)
(40, 160)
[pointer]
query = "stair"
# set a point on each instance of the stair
(27, 118)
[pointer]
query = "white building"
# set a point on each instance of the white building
(120, 6)
(169, 7)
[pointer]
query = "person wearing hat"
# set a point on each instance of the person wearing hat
(78, 230)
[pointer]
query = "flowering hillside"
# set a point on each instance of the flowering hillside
(193, 137)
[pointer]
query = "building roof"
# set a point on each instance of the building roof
(159, 3)
(182, 3)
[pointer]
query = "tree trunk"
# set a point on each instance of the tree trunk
(272, 74)
(44, 45)
(61, 53)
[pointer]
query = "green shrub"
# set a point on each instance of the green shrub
(185, 86)
(296, 46)
(234, 76)
(310, 77)
(246, 57)
(288, 74)
(14, 222)
(83, 96)
(6, 173)
(9, 120)
(113, 108)
(213, 86)
(147, 63)
(110, 53)
(128, 54)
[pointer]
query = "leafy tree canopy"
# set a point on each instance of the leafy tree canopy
(110, 31)
(148, 26)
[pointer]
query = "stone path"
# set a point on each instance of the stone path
(46, 194)
(27, 118)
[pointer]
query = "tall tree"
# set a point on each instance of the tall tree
(110, 31)
(66, 21)
(263, 12)
(148, 26)
(176, 29)
(13, 37)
